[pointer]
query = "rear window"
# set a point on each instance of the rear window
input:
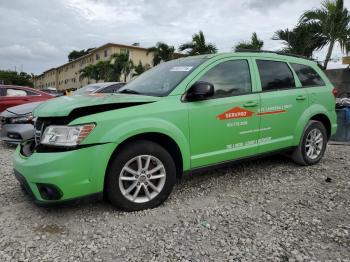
(307, 75)
(111, 89)
(275, 75)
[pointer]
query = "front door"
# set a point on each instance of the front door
(224, 127)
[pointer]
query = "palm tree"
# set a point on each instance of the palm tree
(139, 69)
(86, 72)
(161, 52)
(198, 46)
(333, 20)
(302, 40)
(254, 44)
(121, 64)
(101, 70)
(127, 68)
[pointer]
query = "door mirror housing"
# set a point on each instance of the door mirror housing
(200, 90)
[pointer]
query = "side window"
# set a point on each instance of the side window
(229, 78)
(111, 89)
(275, 75)
(2, 91)
(15, 92)
(307, 75)
(30, 93)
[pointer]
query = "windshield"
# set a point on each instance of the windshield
(163, 78)
(86, 90)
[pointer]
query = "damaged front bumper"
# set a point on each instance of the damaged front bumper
(52, 177)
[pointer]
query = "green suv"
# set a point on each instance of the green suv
(181, 116)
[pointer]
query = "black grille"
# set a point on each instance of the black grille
(39, 129)
(2, 121)
(42, 122)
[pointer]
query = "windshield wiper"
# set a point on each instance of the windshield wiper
(129, 91)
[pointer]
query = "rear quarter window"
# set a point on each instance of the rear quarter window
(275, 75)
(30, 93)
(307, 75)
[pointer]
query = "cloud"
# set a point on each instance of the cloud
(104, 11)
(36, 50)
(265, 5)
(40, 36)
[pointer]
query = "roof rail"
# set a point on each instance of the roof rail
(271, 52)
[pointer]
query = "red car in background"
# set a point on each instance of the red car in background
(16, 95)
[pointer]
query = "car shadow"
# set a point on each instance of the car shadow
(244, 169)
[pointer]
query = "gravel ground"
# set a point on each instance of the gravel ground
(268, 209)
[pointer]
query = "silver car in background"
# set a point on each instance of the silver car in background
(106, 87)
(16, 123)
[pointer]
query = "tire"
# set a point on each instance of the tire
(126, 179)
(301, 154)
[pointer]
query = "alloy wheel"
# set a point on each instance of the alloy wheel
(142, 178)
(314, 143)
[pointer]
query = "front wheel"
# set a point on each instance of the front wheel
(312, 145)
(142, 175)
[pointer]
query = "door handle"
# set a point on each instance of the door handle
(301, 97)
(250, 104)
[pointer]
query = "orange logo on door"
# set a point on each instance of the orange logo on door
(236, 112)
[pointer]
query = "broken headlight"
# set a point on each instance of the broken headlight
(66, 136)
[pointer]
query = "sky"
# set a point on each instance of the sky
(36, 35)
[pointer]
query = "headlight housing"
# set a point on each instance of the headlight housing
(25, 119)
(66, 136)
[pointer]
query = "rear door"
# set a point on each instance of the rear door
(224, 127)
(282, 103)
(314, 85)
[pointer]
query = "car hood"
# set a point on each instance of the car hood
(89, 104)
(20, 110)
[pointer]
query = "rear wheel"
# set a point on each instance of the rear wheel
(312, 145)
(142, 175)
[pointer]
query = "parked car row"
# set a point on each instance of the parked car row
(17, 104)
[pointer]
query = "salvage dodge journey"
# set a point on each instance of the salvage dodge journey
(179, 117)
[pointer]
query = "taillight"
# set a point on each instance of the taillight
(335, 92)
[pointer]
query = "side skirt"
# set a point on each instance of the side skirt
(236, 161)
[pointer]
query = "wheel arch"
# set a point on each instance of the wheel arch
(323, 118)
(160, 138)
(319, 115)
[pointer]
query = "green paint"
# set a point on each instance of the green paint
(195, 127)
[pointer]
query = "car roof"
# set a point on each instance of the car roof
(25, 88)
(14, 86)
(262, 54)
(258, 54)
(104, 84)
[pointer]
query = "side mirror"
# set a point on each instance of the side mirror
(200, 91)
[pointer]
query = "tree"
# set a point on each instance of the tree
(139, 69)
(161, 52)
(87, 72)
(101, 70)
(333, 20)
(198, 45)
(254, 44)
(121, 64)
(78, 53)
(303, 40)
(14, 78)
